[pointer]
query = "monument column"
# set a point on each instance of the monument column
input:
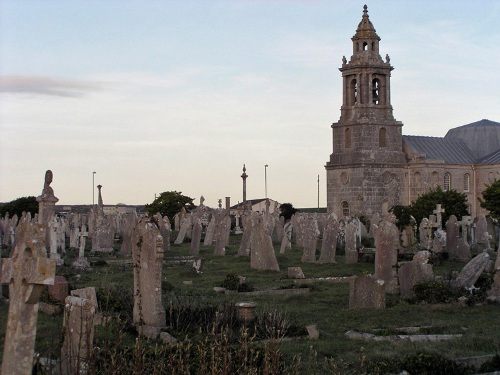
(46, 204)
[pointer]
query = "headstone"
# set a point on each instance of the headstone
(247, 222)
(60, 289)
(185, 227)
(209, 233)
(425, 234)
(416, 271)
(82, 262)
(310, 240)
(222, 229)
(386, 254)
(439, 220)
(471, 272)
(366, 292)
(46, 203)
(351, 251)
(262, 256)
(76, 351)
(27, 272)
(147, 256)
(103, 234)
(196, 238)
(295, 273)
(53, 238)
(452, 233)
(128, 225)
(329, 243)
(494, 292)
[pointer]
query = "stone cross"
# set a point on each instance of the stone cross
(81, 261)
(438, 211)
(27, 272)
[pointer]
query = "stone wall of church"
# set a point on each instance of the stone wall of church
(363, 190)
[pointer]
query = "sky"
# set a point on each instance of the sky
(156, 96)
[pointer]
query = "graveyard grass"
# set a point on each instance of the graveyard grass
(325, 305)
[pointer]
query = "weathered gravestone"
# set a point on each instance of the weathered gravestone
(77, 347)
(222, 230)
(147, 256)
(209, 233)
(351, 251)
(262, 256)
(471, 272)
(366, 292)
(128, 224)
(247, 222)
(416, 271)
(186, 224)
(196, 237)
(452, 239)
(46, 204)
(310, 240)
(386, 254)
(26, 272)
(286, 242)
(494, 292)
(482, 236)
(104, 234)
(81, 262)
(329, 243)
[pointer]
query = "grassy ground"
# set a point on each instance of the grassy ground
(326, 305)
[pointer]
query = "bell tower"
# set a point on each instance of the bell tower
(367, 159)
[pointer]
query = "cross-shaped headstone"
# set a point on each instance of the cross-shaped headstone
(27, 272)
(438, 211)
(83, 237)
(464, 224)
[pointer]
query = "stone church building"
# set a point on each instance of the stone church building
(373, 166)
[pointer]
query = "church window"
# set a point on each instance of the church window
(347, 138)
(353, 92)
(417, 180)
(447, 182)
(435, 179)
(375, 91)
(382, 137)
(373, 46)
(345, 209)
(365, 46)
(466, 182)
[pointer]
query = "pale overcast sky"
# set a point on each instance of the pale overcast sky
(178, 95)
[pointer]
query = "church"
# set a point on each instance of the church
(373, 166)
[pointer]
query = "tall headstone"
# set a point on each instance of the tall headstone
(46, 204)
(310, 240)
(27, 272)
(329, 244)
(351, 251)
(196, 237)
(286, 242)
(452, 233)
(147, 257)
(386, 254)
(262, 256)
(482, 236)
(77, 347)
(104, 234)
(81, 262)
(247, 222)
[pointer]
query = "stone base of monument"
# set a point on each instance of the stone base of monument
(81, 263)
(245, 311)
(150, 332)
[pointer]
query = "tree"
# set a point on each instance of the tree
(287, 210)
(169, 203)
(20, 205)
(453, 202)
(403, 215)
(491, 199)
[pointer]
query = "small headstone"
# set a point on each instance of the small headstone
(366, 292)
(295, 273)
(60, 289)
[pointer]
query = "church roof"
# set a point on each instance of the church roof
(451, 151)
(493, 158)
(482, 137)
(365, 28)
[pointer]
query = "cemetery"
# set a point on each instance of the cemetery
(137, 294)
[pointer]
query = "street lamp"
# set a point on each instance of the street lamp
(265, 177)
(93, 189)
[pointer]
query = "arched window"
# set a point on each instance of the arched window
(382, 137)
(375, 91)
(365, 46)
(345, 209)
(435, 179)
(417, 180)
(466, 182)
(353, 92)
(447, 182)
(347, 138)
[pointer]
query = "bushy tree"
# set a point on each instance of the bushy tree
(169, 203)
(403, 215)
(491, 199)
(453, 203)
(20, 205)
(287, 210)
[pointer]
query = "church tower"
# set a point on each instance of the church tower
(366, 170)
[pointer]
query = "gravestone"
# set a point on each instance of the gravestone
(416, 271)
(286, 242)
(103, 234)
(452, 233)
(482, 236)
(247, 222)
(366, 292)
(196, 237)
(147, 257)
(439, 220)
(54, 225)
(209, 233)
(351, 251)
(425, 234)
(222, 229)
(46, 204)
(262, 256)
(329, 243)
(310, 240)
(82, 262)
(76, 351)
(471, 272)
(26, 272)
(494, 292)
(386, 254)
(186, 224)
(128, 224)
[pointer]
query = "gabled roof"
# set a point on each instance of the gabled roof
(493, 158)
(451, 151)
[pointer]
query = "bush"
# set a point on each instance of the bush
(433, 292)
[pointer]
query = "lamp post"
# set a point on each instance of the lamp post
(265, 177)
(93, 189)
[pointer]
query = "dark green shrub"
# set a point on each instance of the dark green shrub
(492, 365)
(433, 292)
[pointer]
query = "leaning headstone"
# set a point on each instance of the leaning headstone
(196, 237)
(27, 273)
(366, 292)
(471, 272)
(147, 256)
(262, 256)
(78, 335)
(209, 233)
(185, 227)
(386, 254)
(351, 251)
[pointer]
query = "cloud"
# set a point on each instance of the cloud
(40, 85)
